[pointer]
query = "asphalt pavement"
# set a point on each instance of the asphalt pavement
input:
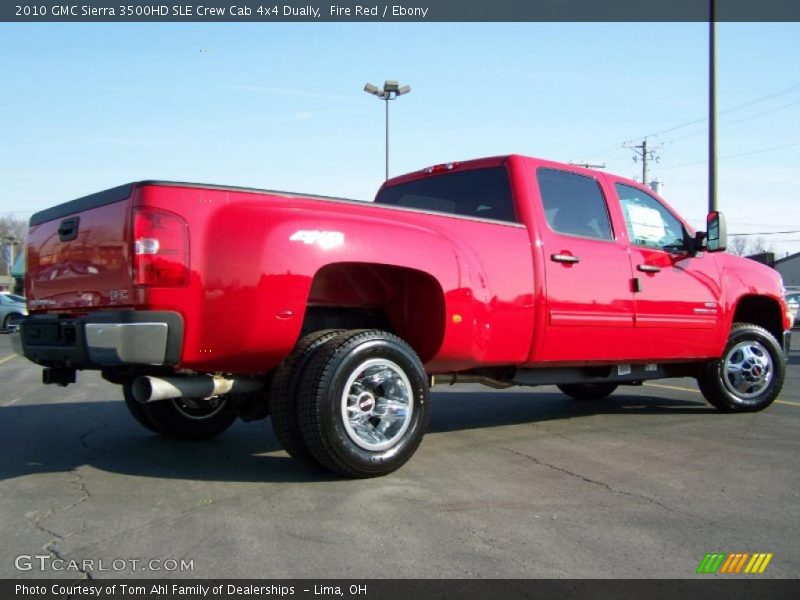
(519, 483)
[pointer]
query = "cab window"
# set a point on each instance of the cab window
(574, 204)
(482, 193)
(648, 222)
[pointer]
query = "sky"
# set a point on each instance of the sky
(281, 106)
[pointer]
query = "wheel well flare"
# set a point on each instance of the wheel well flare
(405, 301)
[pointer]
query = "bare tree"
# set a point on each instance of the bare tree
(738, 245)
(759, 245)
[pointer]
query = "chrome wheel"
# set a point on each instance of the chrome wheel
(377, 404)
(747, 370)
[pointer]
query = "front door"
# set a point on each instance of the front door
(677, 295)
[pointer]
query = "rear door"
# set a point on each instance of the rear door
(677, 298)
(587, 271)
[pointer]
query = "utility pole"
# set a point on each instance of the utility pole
(645, 154)
(712, 110)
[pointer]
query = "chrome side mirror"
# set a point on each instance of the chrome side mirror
(717, 235)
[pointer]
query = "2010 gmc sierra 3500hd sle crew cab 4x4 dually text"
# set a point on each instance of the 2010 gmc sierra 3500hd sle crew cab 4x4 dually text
(334, 316)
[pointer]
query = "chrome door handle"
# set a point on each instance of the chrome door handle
(648, 268)
(564, 258)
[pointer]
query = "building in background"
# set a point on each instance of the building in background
(789, 268)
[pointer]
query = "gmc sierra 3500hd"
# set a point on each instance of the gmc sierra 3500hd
(335, 316)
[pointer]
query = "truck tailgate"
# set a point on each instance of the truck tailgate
(79, 254)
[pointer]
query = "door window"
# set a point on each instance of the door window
(648, 222)
(574, 204)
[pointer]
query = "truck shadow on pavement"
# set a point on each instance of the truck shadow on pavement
(60, 437)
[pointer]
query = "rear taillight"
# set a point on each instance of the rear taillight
(160, 248)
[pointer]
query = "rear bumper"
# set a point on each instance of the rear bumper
(102, 339)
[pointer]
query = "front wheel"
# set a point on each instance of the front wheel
(363, 403)
(750, 373)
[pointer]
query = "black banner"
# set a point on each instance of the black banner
(265, 11)
(713, 588)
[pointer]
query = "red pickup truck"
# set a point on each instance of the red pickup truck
(334, 317)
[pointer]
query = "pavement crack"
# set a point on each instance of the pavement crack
(594, 481)
(51, 547)
(80, 484)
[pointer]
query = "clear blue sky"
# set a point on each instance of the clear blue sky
(90, 106)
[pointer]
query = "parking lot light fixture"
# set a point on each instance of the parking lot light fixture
(391, 90)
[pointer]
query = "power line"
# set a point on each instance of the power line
(770, 96)
(780, 215)
(747, 104)
(767, 233)
(761, 114)
(762, 150)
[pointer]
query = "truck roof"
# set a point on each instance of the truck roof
(478, 163)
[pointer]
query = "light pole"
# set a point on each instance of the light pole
(391, 90)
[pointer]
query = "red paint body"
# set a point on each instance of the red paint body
(465, 292)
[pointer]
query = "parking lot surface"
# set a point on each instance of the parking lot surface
(516, 483)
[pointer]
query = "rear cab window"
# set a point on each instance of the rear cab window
(480, 193)
(574, 204)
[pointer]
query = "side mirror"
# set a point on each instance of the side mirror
(695, 245)
(717, 236)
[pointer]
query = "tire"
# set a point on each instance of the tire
(186, 419)
(363, 403)
(137, 409)
(283, 395)
(11, 320)
(588, 391)
(750, 373)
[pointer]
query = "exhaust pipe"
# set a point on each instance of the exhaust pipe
(152, 389)
(454, 378)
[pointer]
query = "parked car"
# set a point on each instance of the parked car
(793, 302)
(208, 303)
(12, 310)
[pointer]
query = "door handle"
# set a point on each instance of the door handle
(564, 258)
(648, 268)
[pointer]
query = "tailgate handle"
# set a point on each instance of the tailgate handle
(68, 230)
